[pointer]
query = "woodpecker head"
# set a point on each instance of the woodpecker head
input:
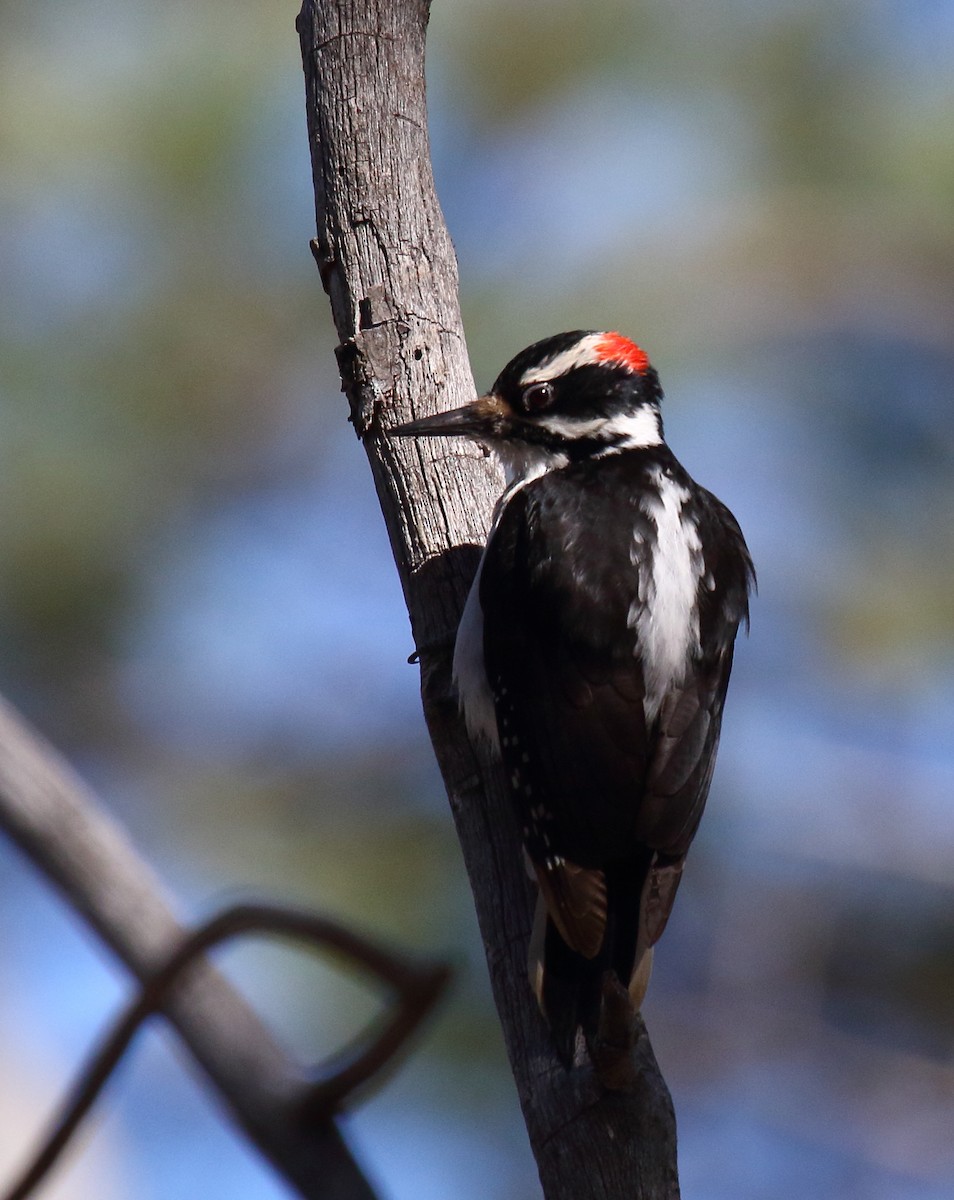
(571, 396)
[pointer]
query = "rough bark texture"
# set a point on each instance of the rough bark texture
(388, 267)
(49, 813)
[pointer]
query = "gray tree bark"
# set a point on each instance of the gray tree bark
(389, 269)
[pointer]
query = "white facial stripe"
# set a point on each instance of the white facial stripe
(582, 354)
(625, 431)
(630, 431)
(566, 427)
(667, 625)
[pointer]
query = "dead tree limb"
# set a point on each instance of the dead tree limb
(415, 987)
(53, 818)
(388, 267)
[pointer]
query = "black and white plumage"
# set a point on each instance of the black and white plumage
(594, 653)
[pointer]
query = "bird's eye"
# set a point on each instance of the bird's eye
(538, 396)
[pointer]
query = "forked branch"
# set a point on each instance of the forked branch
(51, 815)
(330, 1088)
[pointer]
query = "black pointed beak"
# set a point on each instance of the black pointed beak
(444, 424)
(484, 418)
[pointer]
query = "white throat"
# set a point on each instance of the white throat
(522, 461)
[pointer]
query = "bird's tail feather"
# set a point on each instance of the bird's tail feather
(570, 988)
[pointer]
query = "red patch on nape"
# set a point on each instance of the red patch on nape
(613, 347)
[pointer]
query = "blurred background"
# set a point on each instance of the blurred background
(198, 606)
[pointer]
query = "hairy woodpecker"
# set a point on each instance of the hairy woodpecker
(594, 655)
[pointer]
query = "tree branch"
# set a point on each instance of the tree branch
(416, 988)
(52, 816)
(388, 267)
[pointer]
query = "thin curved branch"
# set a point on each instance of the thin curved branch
(417, 987)
(53, 817)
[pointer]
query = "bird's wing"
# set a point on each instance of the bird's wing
(568, 695)
(593, 783)
(685, 737)
(684, 744)
(686, 734)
